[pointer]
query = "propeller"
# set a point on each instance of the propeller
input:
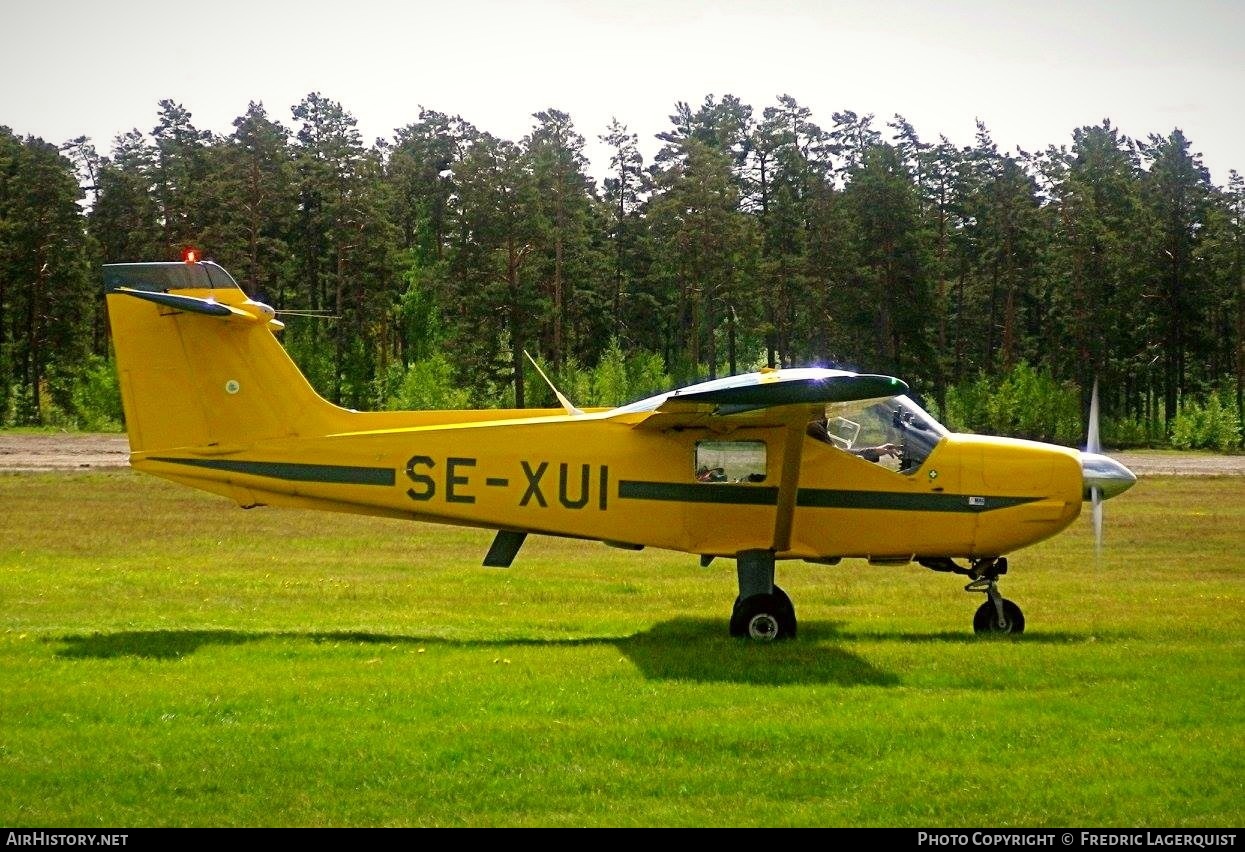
(1094, 445)
(1103, 476)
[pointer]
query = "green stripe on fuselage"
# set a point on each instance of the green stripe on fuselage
(698, 492)
(337, 474)
(814, 498)
(829, 498)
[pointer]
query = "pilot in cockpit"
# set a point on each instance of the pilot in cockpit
(819, 428)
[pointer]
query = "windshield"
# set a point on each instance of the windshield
(894, 432)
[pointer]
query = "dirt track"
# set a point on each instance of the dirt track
(57, 451)
(44, 452)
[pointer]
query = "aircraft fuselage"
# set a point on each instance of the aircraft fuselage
(587, 478)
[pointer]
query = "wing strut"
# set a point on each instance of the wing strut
(789, 484)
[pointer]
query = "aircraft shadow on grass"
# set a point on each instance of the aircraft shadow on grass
(688, 649)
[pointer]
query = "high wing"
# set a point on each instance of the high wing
(772, 396)
(785, 399)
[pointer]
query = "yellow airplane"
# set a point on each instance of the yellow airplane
(813, 464)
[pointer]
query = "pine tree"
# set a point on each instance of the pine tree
(704, 247)
(497, 297)
(893, 268)
(790, 165)
(623, 190)
(1096, 251)
(46, 306)
(565, 260)
(86, 161)
(251, 195)
(852, 137)
(180, 168)
(1176, 192)
(125, 220)
(343, 247)
(420, 172)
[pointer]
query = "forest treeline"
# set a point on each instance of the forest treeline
(999, 285)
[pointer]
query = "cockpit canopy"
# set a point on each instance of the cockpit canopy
(896, 420)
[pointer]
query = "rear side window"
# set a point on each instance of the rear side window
(730, 461)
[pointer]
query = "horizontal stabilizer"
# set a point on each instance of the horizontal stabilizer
(192, 304)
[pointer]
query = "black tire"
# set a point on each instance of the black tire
(784, 600)
(986, 621)
(764, 617)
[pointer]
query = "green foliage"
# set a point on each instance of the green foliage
(616, 380)
(1222, 426)
(1023, 403)
(21, 409)
(1125, 432)
(1032, 404)
(427, 384)
(1188, 426)
(417, 314)
(610, 384)
(647, 376)
(96, 396)
(575, 382)
(1212, 425)
(968, 405)
(619, 379)
(305, 341)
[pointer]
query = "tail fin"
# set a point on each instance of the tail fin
(199, 365)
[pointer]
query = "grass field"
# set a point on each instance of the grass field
(167, 659)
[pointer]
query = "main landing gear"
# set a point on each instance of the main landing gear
(762, 611)
(997, 614)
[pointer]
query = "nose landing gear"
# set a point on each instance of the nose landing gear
(997, 615)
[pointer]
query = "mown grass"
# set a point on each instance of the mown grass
(167, 659)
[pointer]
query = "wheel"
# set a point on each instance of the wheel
(764, 617)
(987, 619)
(738, 628)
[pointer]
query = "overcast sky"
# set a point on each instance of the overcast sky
(1032, 71)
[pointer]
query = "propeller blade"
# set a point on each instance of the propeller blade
(1103, 477)
(1093, 445)
(1097, 498)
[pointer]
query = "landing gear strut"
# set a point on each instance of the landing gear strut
(762, 611)
(997, 614)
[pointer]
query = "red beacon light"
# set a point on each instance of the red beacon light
(191, 255)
